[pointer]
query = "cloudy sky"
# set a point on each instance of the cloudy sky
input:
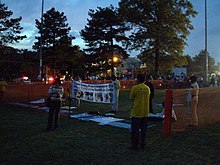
(77, 14)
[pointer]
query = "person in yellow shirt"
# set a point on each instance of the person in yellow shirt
(139, 95)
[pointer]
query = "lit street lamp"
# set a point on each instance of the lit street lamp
(115, 60)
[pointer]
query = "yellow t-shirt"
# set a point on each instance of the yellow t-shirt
(140, 95)
(3, 86)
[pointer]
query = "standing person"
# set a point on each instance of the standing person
(194, 101)
(212, 81)
(116, 84)
(151, 86)
(55, 94)
(2, 91)
(140, 96)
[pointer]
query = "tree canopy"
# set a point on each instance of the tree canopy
(10, 28)
(14, 63)
(58, 52)
(160, 27)
(102, 34)
(197, 64)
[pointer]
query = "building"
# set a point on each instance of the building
(128, 68)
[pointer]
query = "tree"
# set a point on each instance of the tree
(190, 64)
(10, 28)
(73, 61)
(160, 27)
(102, 34)
(58, 52)
(199, 64)
(14, 63)
(164, 67)
(28, 63)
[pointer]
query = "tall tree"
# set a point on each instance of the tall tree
(10, 28)
(199, 64)
(56, 41)
(102, 34)
(16, 63)
(160, 27)
(190, 64)
(167, 62)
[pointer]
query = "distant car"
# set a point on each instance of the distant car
(26, 80)
(50, 80)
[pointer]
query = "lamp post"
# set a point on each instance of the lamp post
(41, 47)
(206, 46)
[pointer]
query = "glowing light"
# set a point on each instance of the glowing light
(51, 78)
(24, 78)
(115, 59)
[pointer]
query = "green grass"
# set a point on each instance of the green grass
(24, 141)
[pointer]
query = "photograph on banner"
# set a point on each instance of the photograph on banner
(99, 93)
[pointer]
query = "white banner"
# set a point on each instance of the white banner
(99, 93)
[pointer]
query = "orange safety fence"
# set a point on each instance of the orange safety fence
(208, 109)
(27, 92)
(20, 92)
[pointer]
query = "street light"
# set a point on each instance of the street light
(40, 52)
(206, 45)
(115, 59)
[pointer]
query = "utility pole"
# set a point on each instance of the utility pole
(206, 46)
(41, 42)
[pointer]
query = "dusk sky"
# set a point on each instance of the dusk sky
(77, 14)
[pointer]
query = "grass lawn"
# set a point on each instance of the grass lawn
(24, 141)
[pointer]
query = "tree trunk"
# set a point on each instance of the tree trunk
(156, 65)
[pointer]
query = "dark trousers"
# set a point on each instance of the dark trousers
(2, 95)
(138, 131)
(53, 114)
(151, 105)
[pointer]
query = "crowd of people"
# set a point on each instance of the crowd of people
(141, 96)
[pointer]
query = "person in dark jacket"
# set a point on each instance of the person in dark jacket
(55, 100)
(151, 86)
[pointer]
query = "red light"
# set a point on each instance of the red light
(51, 78)
(24, 78)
